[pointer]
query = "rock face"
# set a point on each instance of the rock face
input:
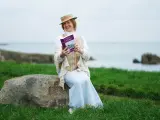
(35, 90)
(149, 58)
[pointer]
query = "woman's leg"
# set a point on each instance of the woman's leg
(81, 90)
(76, 82)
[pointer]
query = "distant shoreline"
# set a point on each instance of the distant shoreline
(110, 42)
(4, 43)
(20, 57)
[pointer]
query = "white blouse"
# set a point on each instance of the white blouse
(81, 63)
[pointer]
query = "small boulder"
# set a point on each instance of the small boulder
(91, 58)
(136, 61)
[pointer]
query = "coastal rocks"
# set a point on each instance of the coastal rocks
(91, 58)
(136, 61)
(21, 57)
(148, 58)
(35, 90)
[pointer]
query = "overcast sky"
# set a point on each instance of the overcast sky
(98, 20)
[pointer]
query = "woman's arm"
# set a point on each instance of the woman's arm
(85, 50)
(58, 51)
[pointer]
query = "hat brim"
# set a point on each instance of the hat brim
(68, 19)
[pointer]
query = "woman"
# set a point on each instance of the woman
(72, 68)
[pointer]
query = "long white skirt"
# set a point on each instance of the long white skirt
(82, 91)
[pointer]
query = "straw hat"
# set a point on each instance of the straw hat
(66, 18)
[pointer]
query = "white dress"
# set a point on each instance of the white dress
(82, 91)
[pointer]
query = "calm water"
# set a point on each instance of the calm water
(119, 55)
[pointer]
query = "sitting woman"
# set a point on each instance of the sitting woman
(72, 68)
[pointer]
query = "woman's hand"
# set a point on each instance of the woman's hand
(78, 49)
(64, 52)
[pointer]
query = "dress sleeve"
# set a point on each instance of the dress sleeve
(58, 50)
(85, 54)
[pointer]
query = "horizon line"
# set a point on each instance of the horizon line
(89, 42)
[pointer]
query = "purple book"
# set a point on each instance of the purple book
(68, 42)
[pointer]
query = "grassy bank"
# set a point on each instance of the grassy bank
(136, 84)
(114, 109)
(109, 81)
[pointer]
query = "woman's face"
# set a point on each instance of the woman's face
(68, 26)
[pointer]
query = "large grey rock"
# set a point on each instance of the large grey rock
(149, 58)
(35, 90)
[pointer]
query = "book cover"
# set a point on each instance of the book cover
(68, 42)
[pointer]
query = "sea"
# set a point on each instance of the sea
(106, 54)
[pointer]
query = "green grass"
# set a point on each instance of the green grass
(109, 81)
(12, 69)
(138, 84)
(123, 78)
(114, 109)
(131, 84)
